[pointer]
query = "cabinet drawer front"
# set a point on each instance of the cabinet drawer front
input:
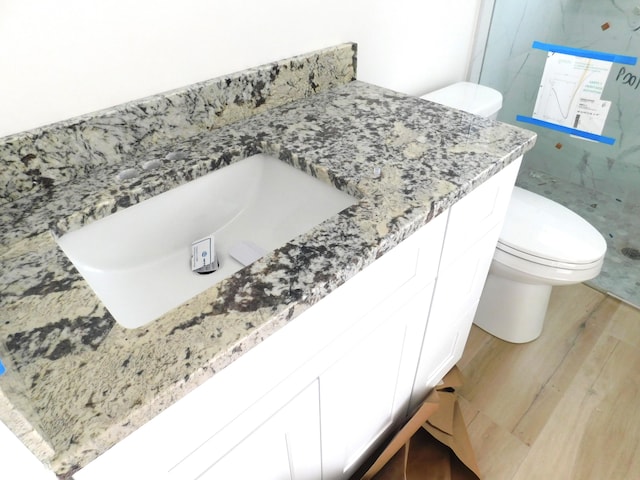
(478, 212)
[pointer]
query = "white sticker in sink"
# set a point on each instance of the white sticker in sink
(246, 252)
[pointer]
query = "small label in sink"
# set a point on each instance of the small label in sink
(203, 254)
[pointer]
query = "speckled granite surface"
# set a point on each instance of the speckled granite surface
(41, 158)
(77, 382)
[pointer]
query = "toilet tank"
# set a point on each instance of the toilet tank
(469, 97)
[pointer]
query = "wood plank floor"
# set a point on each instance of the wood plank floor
(566, 406)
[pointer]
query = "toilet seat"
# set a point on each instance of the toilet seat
(546, 261)
(542, 231)
(522, 270)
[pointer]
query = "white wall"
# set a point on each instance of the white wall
(63, 58)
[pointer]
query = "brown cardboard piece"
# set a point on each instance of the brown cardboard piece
(433, 444)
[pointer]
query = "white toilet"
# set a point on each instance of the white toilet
(542, 243)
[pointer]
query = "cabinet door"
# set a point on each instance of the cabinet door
(365, 393)
(455, 301)
(472, 233)
(285, 446)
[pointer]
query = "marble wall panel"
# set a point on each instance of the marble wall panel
(582, 172)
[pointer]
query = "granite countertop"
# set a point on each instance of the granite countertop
(77, 382)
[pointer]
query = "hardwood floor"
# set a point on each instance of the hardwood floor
(566, 406)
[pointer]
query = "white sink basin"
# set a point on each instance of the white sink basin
(138, 260)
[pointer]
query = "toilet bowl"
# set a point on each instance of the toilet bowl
(542, 244)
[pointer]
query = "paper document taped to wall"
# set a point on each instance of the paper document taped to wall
(570, 90)
(569, 94)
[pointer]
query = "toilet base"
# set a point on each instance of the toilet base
(511, 310)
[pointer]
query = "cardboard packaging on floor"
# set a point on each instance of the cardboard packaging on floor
(433, 444)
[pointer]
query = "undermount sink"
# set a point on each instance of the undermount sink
(138, 260)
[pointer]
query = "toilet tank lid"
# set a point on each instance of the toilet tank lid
(538, 226)
(469, 97)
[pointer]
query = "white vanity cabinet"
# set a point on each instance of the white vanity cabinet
(317, 396)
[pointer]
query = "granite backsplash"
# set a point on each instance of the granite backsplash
(36, 160)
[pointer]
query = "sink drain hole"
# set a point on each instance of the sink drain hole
(630, 252)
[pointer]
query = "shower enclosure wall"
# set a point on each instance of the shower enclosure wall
(600, 182)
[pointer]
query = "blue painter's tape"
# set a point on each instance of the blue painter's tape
(563, 129)
(579, 52)
(2, 369)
